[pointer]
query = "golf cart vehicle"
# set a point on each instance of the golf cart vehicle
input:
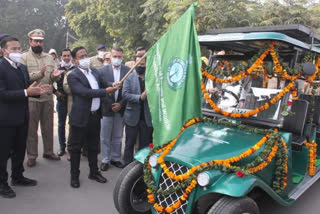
(258, 133)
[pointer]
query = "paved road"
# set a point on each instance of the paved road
(53, 193)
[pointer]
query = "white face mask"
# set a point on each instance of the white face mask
(116, 62)
(106, 63)
(101, 54)
(64, 64)
(84, 63)
(15, 57)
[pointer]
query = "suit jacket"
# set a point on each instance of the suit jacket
(82, 95)
(13, 102)
(131, 93)
(106, 72)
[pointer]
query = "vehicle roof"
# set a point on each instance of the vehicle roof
(248, 39)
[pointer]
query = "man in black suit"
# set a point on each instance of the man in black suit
(14, 116)
(85, 84)
(112, 112)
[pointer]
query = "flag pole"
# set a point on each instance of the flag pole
(132, 69)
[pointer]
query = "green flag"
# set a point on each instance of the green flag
(173, 79)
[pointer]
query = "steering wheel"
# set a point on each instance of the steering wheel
(224, 97)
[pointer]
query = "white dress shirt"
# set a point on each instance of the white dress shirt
(116, 77)
(13, 64)
(95, 105)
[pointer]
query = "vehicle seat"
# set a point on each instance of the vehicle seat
(316, 113)
(295, 123)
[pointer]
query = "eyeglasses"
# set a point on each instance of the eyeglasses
(106, 58)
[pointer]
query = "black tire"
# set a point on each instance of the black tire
(231, 205)
(129, 194)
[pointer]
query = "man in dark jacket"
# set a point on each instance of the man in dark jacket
(14, 115)
(112, 112)
(62, 102)
(85, 84)
(137, 116)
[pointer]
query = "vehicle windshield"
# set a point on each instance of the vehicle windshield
(243, 96)
(259, 97)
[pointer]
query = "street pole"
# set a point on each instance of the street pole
(67, 38)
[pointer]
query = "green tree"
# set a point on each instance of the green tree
(18, 17)
(108, 21)
(302, 12)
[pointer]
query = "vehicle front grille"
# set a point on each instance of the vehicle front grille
(166, 183)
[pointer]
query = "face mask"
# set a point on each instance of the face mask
(15, 57)
(64, 64)
(116, 62)
(37, 49)
(106, 63)
(84, 63)
(140, 70)
(101, 54)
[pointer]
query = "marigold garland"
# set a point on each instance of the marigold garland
(214, 164)
(285, 178)
(265, 163)
(312, 157)
(258, 66)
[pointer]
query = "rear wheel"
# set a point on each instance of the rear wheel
(129, 194)
(232, 205)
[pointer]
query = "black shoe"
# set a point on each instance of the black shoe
(75, 183)
(6, 191)
(23, 181)
(97, 177)
(104, 166)
(117, 164)
(61, 152)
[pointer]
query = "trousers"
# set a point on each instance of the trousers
(40, 112)
(111, 137)
(90, 134)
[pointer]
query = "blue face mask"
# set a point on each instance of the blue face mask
(116, 62)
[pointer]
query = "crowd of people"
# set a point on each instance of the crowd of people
(92, 93)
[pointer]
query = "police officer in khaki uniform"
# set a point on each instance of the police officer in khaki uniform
(97, 61)
(42, 69)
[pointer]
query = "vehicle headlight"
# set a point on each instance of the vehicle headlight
(203, 179)
(153, 160)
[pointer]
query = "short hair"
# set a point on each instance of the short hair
(4, 41)
(66, 49)
(75, 51)
(117, 49)
(140, 49)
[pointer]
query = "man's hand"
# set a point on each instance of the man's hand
(117, 85)
(45, 88)
(33, 90)
(116, 107)
(143, 95)
(43, 69)
(60, 96)
(57, 73)
(111, 90)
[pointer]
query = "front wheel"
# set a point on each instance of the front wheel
(130, 192)
(232, 205)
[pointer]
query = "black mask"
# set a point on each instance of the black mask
(37, 49)
(140, 70)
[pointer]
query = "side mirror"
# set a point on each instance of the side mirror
(308, 69)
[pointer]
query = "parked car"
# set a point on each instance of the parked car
(258, 135)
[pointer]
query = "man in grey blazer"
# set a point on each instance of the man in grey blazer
(112, 112)
(137, 117)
